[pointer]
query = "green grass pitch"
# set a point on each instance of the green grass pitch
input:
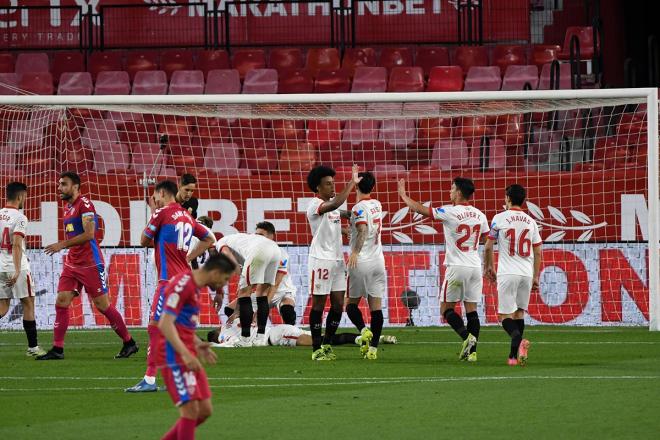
(580, 383)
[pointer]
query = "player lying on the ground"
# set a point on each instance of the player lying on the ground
(518, 267)
(15, 278)
(464, 226)
(284, 335)
(178, 350)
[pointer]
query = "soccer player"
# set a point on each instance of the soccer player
(84, 267)
(187, 186)
(366, 266)
(259, 258)
(326, 266)
(179, 350)
(169, 232)
(518, 267)
(207, 222)
(463, 226)
(15, 279)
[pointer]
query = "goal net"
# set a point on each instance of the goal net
(587, 158)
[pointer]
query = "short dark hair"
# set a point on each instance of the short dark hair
(316, 174)
(367, 183)
(188, 178)
(74, 177)
(465, 186)
(13, 189)
(517, 194)
(168, 186)
(266, 226)
(206, 221)
(219, 262)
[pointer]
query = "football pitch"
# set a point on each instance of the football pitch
(580, 383)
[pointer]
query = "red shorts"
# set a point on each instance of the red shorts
(92, 278)
(157, 301)
(185, 385)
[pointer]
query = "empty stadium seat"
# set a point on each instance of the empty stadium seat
(248, 59)
(483, 78)
(516, 77)
(360, 131)
(150, 82)
(431, 130)
(430, 56)
(332, 81)
(542, 143)
(564, 76)
(26, 133)
(75, 83)
(510, 129)
(369, 80)
(36, 62)
(223, 82)
(291, 161)
(445, 79)
(544, 54)
(148, 157)
(7, 158)
(112, 83)
(8, 83)
(389, 171)
(391, 57)
(322, 58)
(110, 158)
(358, 57)
(222, 157)
(252, 133)
(508, 55)
(295, 81)
(208, 60)
(67, 62)
(99, 132)
(187, 82)
(174, 60)
(397, 133)
(493, 152)
(323, 132)
(288, 130)
(260, 81)
(469, 56)
(470, 127)
(406, 79)
(105, 62)
(585, 35)
(450, 154)
(285, 58)
(6, 62)
(141, 61)
(38, 83)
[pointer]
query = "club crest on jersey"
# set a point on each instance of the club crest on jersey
(173, 300)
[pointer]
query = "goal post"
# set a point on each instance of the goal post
(589, 159)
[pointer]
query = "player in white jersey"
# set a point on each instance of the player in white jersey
(326, 266)
(366, 266)
(518, 267)
(15, 279)
(198, 262)
(463, 226)
(259, 258)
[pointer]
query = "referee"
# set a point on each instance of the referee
(187, 185)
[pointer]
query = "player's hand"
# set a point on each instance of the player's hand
(346, 232)
(490, 274)
(53, 248)
(217, 300)
(352, 260)
(356, 171)
(206, 353)
(402, 187)
(191, 362)
(11, 281)
(535, 284)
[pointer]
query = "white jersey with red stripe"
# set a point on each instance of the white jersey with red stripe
(326, 232)
(194, 241)
(286, 285)
(278, 335)
(12, 222)
(244, 246)
(516, 234)
(463, 226)
(368, 212)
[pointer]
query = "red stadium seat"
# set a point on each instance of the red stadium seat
(483, 78)
(358, 57)
(445, 79)
(140, 61)
(222, 157)
(432, 130)
(37, 83)
(99, 132)
(187, 82)
(510, 129)
(213, 130)
(150, 82)
(430, 56)
(585, 35)
(288, 130)
(37, 159)
(406, 79)
(7, 158)
(148, 157)
(332, 81)
(295, 81)
(112, 83)
(105, 62)
(391, 57)
(296, 161)
(323, 58)
(564, 77)
(397, 133)
(361, 131)
(208, 60)
(285, 58)
(470, 127)
(223, 82)
(174, 60)
(509, 55)
(248, 59)
(8, 83)
(138, 132)
(494, 154)
(542, 143)
(389, 171)
(516, 77)
(75, 83)
(32, 63)
(261, 160)
(468, 56)
(544, 54)
(369, 80)
(450, 154)
(252, 133)
(110, 158)
(67, 62)
(323, 132)
(6, 62)
(260, 81)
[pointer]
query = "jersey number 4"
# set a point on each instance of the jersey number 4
(466, 232)
(185, 231)
(6, 242)
(524, 247)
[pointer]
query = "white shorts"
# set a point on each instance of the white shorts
(285, 335)
(513, 293)
(462, 283)
(23, 288)
(326, 276)
(261, 268)
(280, 296)
(367, 279)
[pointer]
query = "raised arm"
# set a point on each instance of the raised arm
(357, 246)
(340, 198)
(415, 206)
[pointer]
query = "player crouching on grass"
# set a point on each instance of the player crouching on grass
(178, 349)
(518, 268)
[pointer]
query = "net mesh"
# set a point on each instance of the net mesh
(583, 162)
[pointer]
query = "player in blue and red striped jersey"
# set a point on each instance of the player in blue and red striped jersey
(178, 347)
(83, 267)
(169, 232)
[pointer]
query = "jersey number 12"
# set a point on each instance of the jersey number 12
(185, 231)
